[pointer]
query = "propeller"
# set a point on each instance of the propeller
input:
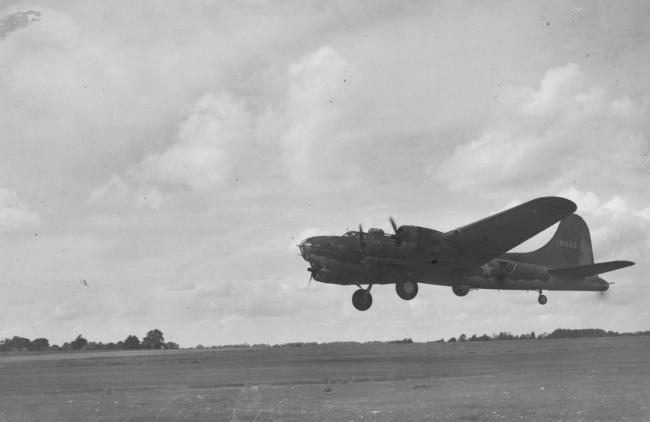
(396, 236)
(313, 269)
(392, 223)
(362, 244)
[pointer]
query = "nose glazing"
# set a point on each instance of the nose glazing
(305, 249)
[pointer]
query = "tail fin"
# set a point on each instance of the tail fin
(569, 247)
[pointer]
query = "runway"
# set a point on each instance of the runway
(542, 380)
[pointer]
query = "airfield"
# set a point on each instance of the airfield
(599, 379)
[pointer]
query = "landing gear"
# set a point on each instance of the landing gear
(460, 290)
(407, 290)
(362, 299)
(542, 299)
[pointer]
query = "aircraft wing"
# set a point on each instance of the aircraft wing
(475, 244)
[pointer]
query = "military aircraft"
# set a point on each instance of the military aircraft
(470, 257)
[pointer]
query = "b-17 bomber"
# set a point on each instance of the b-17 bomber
(471, 257)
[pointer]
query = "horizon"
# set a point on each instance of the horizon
(494, 336)
(162, 162)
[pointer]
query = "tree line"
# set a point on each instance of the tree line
(154, 339)
(558, 333)
(504, 335)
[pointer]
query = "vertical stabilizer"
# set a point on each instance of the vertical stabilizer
(569, 247)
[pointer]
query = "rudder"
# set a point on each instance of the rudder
(569, 247)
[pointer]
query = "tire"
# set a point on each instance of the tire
(362, 300)
(406, 290)
(542, 299)
(460, 290)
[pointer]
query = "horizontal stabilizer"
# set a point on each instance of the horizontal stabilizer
(591, 269)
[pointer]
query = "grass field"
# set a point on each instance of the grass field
(540, 380)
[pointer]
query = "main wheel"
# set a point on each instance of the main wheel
(460, 290)
(362, 300)
(542, 299)
(407, 290)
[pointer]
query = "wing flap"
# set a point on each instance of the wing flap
(475, 244)
(582, 271)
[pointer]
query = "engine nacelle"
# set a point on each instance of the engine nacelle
(421, 239)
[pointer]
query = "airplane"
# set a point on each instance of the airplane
(471, 257)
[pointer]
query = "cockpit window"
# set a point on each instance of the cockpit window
(351, 234)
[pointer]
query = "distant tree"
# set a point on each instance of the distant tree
(200, 346)
(503, 335)
(153, 340)
(484, 337)
(452, 340)
(17, 344)
(532, 335)
(473, 338)
(404, 341)
(462, 337)
(578, 333)
(171, 345)
(79, 343)
(40, 344)
(132, 342)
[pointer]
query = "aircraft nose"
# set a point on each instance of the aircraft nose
(305, 249)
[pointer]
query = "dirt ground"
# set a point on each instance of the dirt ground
(540, 380)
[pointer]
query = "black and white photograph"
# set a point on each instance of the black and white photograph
(324, 210)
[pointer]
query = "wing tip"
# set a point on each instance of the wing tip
(625, 264)
(558, 202)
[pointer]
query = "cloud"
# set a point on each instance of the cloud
(305, 134)
(208, 145)
(615, 208)
(16, 214)
(565, 131)
(616, 226)
(321, 135)
(16, 21)
(119, 193)
(80, 307)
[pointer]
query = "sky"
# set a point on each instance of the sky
(172, 155)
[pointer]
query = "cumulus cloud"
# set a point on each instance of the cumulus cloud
(566, 130)
(306, 134)
(320, 136)
(617, 227)
(616, 207)
(207, 146)
(16, 214)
